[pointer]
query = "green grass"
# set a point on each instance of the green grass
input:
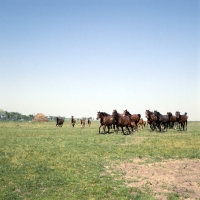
(41, 161)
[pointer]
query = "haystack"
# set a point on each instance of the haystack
(40, 118)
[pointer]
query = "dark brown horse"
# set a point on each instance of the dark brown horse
(82, 123)
(172, 120)
(106, 120)
(123, 121)
(134, 117)
(182, 120)
(59, 122)
(151, 119)
(163, 120)
(73, 121)
(89, 122)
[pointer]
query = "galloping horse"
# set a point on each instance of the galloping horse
(162, 120)
(182, 119)
(59, 122)
(73, 121)
(172, 120)
(141, 123)
(105, 120)
(123, 121)
(89, 122)
(151, 119)
(134, 117)
(82, 123)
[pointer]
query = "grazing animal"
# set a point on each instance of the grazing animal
(134, 117)
(106, 120)
(151, 119)
(73, 121)
(89, 122)
(163, 120)
(59, 122)
(182, 120)
(82, 123)
(172, 120)
(123, 121)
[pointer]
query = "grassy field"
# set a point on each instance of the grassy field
(41, 161)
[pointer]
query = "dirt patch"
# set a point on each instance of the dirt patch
(180, 177)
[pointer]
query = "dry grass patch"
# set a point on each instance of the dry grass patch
(181, 177)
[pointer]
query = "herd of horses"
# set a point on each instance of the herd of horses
(132, 122)
(59, 122)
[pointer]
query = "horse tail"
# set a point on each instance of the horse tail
(139, 116)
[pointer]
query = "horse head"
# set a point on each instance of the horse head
(98, 115)
(147, 114)
(126, 112)
(177, 114)
(115, 113)
(169, 114)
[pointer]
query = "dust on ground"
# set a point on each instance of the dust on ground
(180, 177)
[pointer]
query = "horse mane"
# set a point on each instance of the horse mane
(157, 112)
(105, 114)
(128, 112)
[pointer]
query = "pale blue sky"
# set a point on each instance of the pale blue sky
(78, 57)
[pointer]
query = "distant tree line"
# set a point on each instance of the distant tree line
(15, 116)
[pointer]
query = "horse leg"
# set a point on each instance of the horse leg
(128, 129)
(108, 128)
(104, 129)
(183, 126)
(166, 125)
(122, 130)
(152, 127)
(132, 128)
(159, 126)
(116, 129)
(100, 128)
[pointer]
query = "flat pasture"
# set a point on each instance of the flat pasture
(42, 161)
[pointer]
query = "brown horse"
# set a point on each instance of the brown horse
(141, 123)
(182, 119)
(151, 119)
(89, 122)
(59, 122)
(82, 123)
(123, 121)
(172, 120)
(106, 120)
(73, 121)
(134, 117)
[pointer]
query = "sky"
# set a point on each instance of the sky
(74, 57)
